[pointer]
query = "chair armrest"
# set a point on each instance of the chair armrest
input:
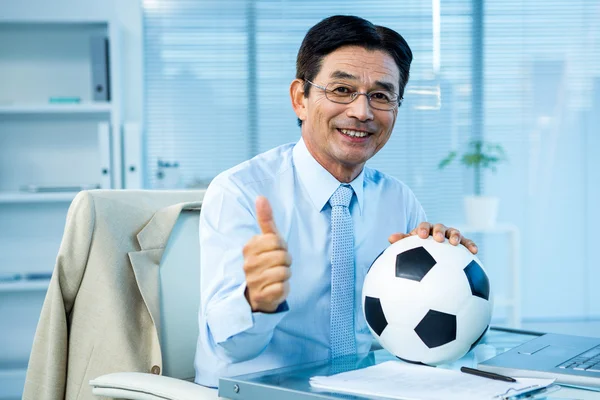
(141, 386)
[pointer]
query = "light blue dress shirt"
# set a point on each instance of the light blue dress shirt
(233, 340)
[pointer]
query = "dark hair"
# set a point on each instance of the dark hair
(345, 30)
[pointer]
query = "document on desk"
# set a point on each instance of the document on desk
(400, 380)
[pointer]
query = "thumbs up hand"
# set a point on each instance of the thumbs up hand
(266, 263)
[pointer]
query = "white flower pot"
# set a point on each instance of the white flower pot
(481, 211)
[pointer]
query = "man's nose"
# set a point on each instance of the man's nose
(360, 108)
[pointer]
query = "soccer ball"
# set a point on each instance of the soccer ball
(427, 302)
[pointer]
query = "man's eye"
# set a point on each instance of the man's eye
(341, 90)
(381, 96)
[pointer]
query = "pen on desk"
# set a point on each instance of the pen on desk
(485, 374)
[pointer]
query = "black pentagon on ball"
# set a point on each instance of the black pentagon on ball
(437, 328)
(374, 315)
(414, 264)
(478, 280)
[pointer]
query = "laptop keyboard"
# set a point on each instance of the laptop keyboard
(588, 361)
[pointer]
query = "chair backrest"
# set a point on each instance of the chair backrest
(180, 297)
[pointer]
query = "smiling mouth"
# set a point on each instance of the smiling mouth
(353, 133)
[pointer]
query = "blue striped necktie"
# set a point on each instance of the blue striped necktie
(342, 336)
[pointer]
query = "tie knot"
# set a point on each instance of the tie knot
(342, 196)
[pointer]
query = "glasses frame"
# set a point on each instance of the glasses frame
(354, 96)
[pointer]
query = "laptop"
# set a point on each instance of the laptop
(569, 359)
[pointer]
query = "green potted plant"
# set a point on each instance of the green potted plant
(480, 211)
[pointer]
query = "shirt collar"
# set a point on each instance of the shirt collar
(319, 182)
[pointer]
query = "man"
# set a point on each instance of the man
(288, 236)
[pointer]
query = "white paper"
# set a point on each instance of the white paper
(399, 380)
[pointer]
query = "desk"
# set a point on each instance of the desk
(291, 383)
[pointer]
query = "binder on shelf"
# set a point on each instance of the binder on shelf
(104, 147)
(99, 58)
(132, 153)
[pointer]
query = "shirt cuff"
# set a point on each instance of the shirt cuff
(232, 315)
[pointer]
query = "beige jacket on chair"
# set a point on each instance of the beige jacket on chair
(101, 311)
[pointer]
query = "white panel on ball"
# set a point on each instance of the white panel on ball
(455, 286)
(403, 342)
(395, 309)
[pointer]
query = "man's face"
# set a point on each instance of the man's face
(326, 125)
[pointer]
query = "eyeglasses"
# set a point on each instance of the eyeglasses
(342, 93)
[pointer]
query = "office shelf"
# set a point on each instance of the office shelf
(24, 286)
(24, 197)
(45, 54)
(56, 108)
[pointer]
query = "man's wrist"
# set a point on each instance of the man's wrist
(280, 307)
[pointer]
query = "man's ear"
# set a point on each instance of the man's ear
(297, 97)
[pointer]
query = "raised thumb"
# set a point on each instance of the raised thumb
(264, 215)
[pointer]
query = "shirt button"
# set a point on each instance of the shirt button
(155, 370)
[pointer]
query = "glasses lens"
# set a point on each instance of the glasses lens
(382, 100)
(340, 93)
